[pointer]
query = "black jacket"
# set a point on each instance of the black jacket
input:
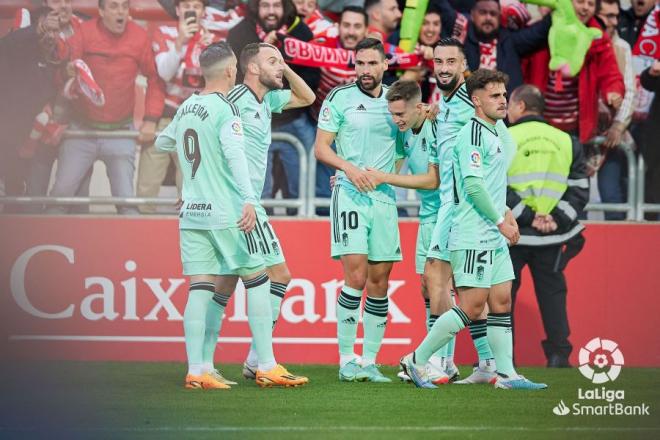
(576, 197)
(245, 33)
(630, 26)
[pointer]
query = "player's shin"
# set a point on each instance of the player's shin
(445, 327)
(500, 338)
(260, 320)
(348, 314)
(374, 321)
(194, 323)
(214, 314)
(277, 291)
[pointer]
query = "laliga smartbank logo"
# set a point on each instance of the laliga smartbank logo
(601, 361)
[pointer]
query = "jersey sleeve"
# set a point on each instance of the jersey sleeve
(399, 152)
(166, 140)
(278, 99)
(470, 152)
(231, 142)
(330, 118)
(434, 150)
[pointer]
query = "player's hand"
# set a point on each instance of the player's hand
(333, 179)
(178, 205)
(509, 231)
(614, 135)
(376, 176)
(359, 178)
(248, 218)
(147, 133)
(614, 100)
(187, 28)
(207, 38)
(426, 52)
(431, 110)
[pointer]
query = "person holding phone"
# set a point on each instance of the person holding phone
(177, 49)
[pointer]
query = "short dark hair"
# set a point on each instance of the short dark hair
(42, 11)
(178, 2)
(371, 43)
(476, 2)
(450, 42)
(480, 78)
(249, 52)
(288, 17)
(368, 4)
(357, 10)
(215, 53)
(599, 4)
(405, 90)
(531, 96)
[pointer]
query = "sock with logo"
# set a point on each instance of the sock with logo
(277, 291)
(214, 314)
(445, 327)
(427, 308)
(500, 339)
(374, 321)
(194, 324)
(480, 339)
(260, 319)
(348, 314)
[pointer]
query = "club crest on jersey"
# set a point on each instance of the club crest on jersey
(475, 159)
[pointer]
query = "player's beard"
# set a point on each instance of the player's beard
(374, 82)
(449, 86)
(271, 83)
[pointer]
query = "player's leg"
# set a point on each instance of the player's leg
(437, 276)
(499, 332)
(348, 238)
(278, 273)
(224, 287)
(200, 262)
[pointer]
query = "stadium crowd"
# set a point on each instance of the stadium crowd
(60, 70)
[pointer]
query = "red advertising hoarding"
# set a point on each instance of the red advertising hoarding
(111, 289)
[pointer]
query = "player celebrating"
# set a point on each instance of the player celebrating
(259, 96)
(478, 252)
(218, 217)
(364, 232)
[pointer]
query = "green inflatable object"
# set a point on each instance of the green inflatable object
(411, 23)
(569, 39)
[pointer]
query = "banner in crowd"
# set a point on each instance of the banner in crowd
(111, 289)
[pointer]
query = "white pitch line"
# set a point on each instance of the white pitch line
(178, 339)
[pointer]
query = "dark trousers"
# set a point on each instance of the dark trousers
(546, 266)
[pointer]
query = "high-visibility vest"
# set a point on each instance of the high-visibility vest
(540, 168)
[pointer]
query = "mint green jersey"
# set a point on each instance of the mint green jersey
(257, 116)
(455, 111)
(479, 151)
(365, 133)
(420, 149)
(207, 135)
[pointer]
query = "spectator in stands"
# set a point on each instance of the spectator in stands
(267, 21)
(384, 18)
(29, 63)
(599, 76)
(305, 8)
(488, 46)
(313, 18)
(546, 209)
(651, 81)
(177, 50)
(612, 174)
(116, 50)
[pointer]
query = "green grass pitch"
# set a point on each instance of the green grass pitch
(146, 400)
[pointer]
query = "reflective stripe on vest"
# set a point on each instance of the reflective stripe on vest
(539, 170)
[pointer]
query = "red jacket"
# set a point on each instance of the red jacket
(115, 61)
(599, 74)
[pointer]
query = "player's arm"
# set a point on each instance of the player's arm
(428, 180)
(166, 141)
(231, 142)
(481, 200)
(325, 154)
(301, 94)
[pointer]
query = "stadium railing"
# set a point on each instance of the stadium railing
(642, 207)
(301, 202)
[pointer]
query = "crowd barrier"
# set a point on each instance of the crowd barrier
(110, 288)
(307, 202)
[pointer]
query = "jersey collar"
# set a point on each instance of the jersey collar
(447, 99)
(488, 126)
(369, 94)
(260, 101)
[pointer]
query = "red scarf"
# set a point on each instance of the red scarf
(645, 52)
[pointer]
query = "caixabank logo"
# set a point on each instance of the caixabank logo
(601, 361)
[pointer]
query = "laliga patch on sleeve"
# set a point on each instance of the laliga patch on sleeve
(325, 114)
(236, 129)
(475, 159)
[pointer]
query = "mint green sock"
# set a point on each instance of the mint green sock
(445, 327)
(374, 321)
(348, 315)
(214, 314)
(480, 339)
(260, 319)
(194, 324)
(441, 352)
(500, 338)
(277, 291)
